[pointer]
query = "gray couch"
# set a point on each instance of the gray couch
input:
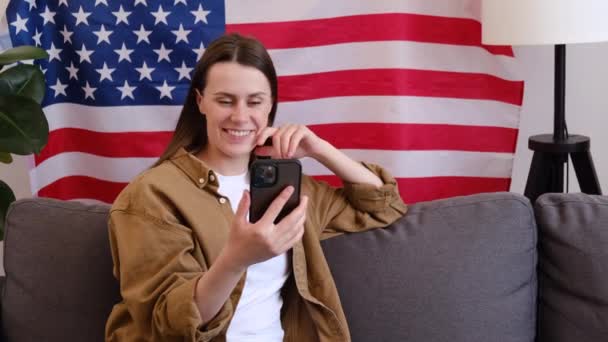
(465, 269)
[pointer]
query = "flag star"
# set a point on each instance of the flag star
(32, 4)
(85, 55)
(184, 72)
(37, 38)
(105, 72)
(121, 16)
(81, 17)
(103, 35)
(142, 34)
(145, 72)
(181, 34)
(178, 1)
(143, 2)
(163, 53)
(88, 91)
(54, 53)
(199, 52)
(20, 24)
(97, 2)
(160, 16)
(165, 90)
(59, 88)
(48, 16)
(123, 53)
(126, 90)
(66, 35)
(200, 14)
(65, 2)
(73, 71)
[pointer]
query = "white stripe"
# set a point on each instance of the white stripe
(112, 119)
(378, 109)
(247, 11)
(84, 164)
(394, 55)
(399, 109)
(415, 164)
(405, 164)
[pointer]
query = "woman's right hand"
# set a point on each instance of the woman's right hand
(250, 243)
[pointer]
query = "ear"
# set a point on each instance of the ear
(199, 101)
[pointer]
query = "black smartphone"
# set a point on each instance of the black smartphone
(268, 177)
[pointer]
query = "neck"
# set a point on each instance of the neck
(223, 165)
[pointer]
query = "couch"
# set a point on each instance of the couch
(478, 268)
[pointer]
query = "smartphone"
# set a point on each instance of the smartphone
(268, 177)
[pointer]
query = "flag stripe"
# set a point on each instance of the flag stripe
(383, 136)
(247, 11)
(375, 136)
(369, 27)
(395, 55)
(133, 144)
(431, 188)
(420, 110)
(400, 82)
(427, 164)
(413, 189)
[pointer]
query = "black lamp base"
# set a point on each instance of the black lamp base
(547, 169)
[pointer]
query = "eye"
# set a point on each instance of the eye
(224, 102)
(254, 103)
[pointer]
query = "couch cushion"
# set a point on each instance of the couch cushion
(461, 270)
(573, 267)
(59, 283)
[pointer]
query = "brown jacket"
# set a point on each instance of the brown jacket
(168, 226)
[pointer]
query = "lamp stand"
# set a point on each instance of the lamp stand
(552, 151)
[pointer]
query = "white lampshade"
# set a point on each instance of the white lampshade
(535, 22)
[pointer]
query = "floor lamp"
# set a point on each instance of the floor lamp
(554, 22)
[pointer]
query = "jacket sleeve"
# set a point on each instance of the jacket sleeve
(355, 207)
(157, 271)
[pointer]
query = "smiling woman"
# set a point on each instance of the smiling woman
(191, 266)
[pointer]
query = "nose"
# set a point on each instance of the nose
(239, 113)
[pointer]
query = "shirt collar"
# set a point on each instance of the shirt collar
(194, 168)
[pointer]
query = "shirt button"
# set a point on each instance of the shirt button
(201, 180)
(211, 178)
(222, 200)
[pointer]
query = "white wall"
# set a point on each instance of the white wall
(586, 111)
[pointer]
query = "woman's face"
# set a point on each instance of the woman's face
(236, 102)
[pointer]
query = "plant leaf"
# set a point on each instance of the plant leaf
(6, 158)
(6, 198)
(21, 53)
(23, 126)
(25, 80)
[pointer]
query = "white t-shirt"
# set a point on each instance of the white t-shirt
(257, 317)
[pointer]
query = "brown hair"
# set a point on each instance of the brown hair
(191, 129)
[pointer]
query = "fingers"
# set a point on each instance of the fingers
(286, 239)
(277, 205)
(243, 207)
(294, 216)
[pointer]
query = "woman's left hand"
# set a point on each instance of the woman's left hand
(289, 141)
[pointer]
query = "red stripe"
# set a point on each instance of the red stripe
(400, 82)
(124, 144)
(375, 136)
(388, 136)
(369, 27)
(415, 190)
(412, 189)
(77, 187)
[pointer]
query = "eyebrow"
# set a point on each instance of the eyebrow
(232, 95)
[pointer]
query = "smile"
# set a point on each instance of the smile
(238, 133)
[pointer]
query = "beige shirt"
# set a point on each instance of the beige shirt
(168, 226)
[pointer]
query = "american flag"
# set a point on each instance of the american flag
(405, 84)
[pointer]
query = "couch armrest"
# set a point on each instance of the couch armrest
(2, 283)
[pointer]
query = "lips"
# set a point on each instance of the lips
(238, 132)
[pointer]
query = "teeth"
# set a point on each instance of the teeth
(238, 133)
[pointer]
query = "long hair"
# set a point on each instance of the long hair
(191, 129)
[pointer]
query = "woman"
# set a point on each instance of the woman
(190, 265)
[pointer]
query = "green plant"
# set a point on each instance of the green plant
(23, 126)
